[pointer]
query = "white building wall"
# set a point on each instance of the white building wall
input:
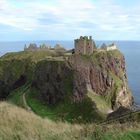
(109, 48)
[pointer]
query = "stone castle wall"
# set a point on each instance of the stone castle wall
(89, 47)
(84, 45)
(80, 46)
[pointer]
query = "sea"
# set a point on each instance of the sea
(130, 49)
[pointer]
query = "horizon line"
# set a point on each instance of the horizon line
(61, 40)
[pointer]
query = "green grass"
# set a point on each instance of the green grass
(16, 96)
(33, 55)
(14, 124)
(18, 124)
(39, 107)
(115, 53)
(80, 112)
(101, 103)
(111, 96)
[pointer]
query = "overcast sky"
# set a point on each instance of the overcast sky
(68, 19)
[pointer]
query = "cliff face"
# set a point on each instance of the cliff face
(53, 80)
(102, 74)
(100, 77)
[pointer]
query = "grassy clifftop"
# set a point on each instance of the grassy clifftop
(33, 55)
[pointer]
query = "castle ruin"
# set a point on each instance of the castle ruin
(109, 47)
(84, 45)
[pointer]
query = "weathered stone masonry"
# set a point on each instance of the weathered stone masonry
(84, 45)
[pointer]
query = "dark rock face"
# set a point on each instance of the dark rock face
(53, 80)
(13, 73)
(19, 82)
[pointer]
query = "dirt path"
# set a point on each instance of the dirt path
(25, 103)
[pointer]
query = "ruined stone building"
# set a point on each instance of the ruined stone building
(109, 47)
(84, 45)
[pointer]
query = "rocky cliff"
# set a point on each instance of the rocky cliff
(54, 81)
(101, 78)
(102, 74)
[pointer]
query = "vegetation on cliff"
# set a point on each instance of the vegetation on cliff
(103, 73)
(78, 88)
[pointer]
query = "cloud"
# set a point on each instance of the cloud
(70, 17)
(36, 15)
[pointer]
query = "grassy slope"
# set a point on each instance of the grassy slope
(34, 56)
(16, 96)
(18, 124)
(102, 105)
(66, 111)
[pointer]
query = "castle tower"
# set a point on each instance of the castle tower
(84, 45)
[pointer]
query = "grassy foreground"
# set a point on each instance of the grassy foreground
(18, 124)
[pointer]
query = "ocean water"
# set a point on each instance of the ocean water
(130, 49)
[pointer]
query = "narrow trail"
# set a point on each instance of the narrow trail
(25, 103)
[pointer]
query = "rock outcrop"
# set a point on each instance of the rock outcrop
(103, 74)
(100, 76)
(53, 80)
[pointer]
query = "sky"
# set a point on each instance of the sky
(69, 19)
